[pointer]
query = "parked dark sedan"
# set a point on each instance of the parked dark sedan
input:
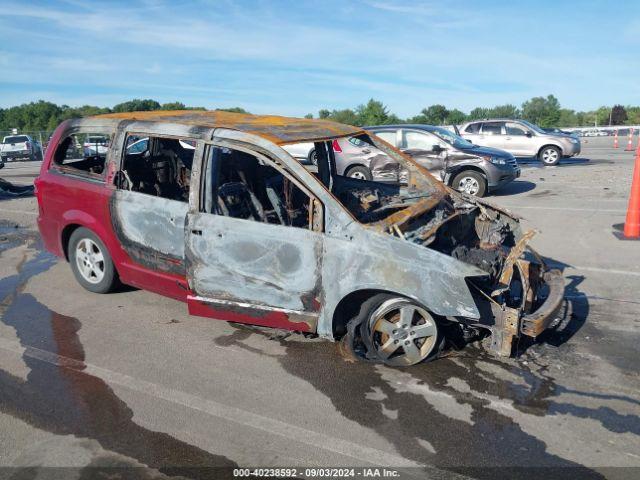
(459, 163)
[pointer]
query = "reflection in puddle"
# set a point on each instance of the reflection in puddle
(65, 400)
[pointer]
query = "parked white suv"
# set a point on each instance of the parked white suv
(521, 139)
(20, 147)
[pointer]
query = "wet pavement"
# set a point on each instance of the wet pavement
(129, 385)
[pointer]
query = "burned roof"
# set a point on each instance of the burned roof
(279, 130)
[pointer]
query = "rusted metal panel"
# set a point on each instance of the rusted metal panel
(514, 254)
(504, 330)
(533, 324)
(255, 263)
(151, 229)
(398, 219)
(367, 259)
(277, 129)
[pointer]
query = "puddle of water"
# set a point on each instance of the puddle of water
(490, 440)
(67, 401)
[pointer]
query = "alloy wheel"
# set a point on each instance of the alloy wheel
(550, 155)
(468, 185)
(90, 260)
(402, 333)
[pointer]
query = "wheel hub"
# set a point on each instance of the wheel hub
(400, 333)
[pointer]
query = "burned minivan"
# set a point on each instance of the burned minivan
(206, 207)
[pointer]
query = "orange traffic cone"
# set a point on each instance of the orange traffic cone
(630, 142)
(632, 222)
(615, 139)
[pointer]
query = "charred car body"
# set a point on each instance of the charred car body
(241, 231)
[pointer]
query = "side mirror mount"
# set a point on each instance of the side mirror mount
(529, 134)
(437, 149)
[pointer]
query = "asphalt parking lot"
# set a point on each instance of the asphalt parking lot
(129, 379)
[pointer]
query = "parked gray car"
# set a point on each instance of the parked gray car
(522, 139)
(354, 159)
(457, 162)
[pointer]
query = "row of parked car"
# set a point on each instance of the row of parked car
(25, 147)
(477, 158)
(19, 147)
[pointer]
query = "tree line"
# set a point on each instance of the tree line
(543, 111)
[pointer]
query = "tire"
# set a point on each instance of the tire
(359, 172)
(94, 269)
(351, 346)
(550, 155)
(313, 157)
(470, 182)
(407, 341)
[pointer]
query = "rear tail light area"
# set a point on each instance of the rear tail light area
(28, 144)
(336, 146)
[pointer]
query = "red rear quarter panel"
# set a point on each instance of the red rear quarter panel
(66, 200)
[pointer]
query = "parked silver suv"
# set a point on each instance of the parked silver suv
(522, 139)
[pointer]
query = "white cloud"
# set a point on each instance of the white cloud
(298, 57)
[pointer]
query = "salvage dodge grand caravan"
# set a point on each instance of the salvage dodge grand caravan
(207, 208)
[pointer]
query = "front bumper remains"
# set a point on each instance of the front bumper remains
(526, 299)
(511, 323)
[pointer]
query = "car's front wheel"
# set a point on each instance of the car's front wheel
(359, 172)
(550, 155)
(471, 183)
(91, 263)
(399, 332)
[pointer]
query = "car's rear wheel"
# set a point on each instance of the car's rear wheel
(550, 155)
(398, 332)
(471, 183)
(90, 262)
(359, 172)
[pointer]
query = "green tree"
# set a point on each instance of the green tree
(373, 112)
(543, 111)
(478, 113)
(455, 117)
(32, 116)
(504, 111)
(568, 118)
(618, 115)
(346, 116)
(173, 106)
(233, 110)
(432, 115)
(137, 105)
(633, 115)
(582, 119)
(602, 115)
(309, 115)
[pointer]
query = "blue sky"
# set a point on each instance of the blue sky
(295, 57)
